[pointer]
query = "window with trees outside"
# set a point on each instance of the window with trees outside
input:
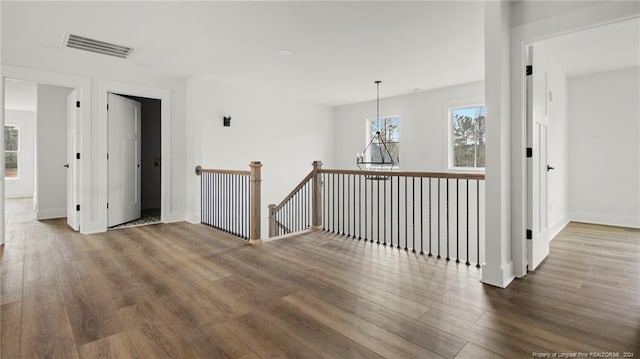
(11, 137)
(388, 127)
(467, 137)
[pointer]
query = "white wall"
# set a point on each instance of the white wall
(285, 135)
(20, 95)
(51, 152)
(604, 152)
(524, 12)
(557, 145)
(23, 185)
(422, 128)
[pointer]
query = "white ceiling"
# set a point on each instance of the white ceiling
(598, 49)
(20, 95)
(339, 48)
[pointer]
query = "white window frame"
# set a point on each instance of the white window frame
(17, 177)
(449, 107)
(368, 138)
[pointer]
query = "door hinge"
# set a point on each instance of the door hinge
(107, 156)
(529, 70)
(77, 207)
(107, 107)
(529, 234)
(78, 104)
(78, 156)
(529, 152)
(107, 205)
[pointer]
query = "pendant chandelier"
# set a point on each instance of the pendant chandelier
(376, 155)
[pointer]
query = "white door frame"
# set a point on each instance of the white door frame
(520, 38)
(164, 95)
(83, 86)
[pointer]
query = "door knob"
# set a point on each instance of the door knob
(549, 168)
(66, 166)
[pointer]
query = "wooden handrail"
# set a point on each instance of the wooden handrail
(295, 190)
(225, 172)
(453, 175)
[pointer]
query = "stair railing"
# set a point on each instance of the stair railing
(438, 214)
(230, 200)
(300, 209)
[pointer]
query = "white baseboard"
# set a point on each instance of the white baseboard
(498, 276)
(173, 217)
(606, 219)
(193, 218)
(558, 227)
(289, 235)
(51, 213)
(92, 229)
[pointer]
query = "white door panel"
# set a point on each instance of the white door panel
(73, 113)
(537, 174)
(129, 162)
(124, 159)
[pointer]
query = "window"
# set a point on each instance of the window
(388, 127)
(11, 137)
(467, 137)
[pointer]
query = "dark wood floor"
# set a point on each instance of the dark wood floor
(186, 291)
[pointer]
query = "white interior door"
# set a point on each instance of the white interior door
(124, 159)
(73, 112)
(537, 164)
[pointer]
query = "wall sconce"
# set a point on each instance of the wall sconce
(226, 121)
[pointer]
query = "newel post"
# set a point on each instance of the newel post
(254, 229)
(316, 203)
(272, 220)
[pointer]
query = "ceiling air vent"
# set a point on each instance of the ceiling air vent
(97, 46)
